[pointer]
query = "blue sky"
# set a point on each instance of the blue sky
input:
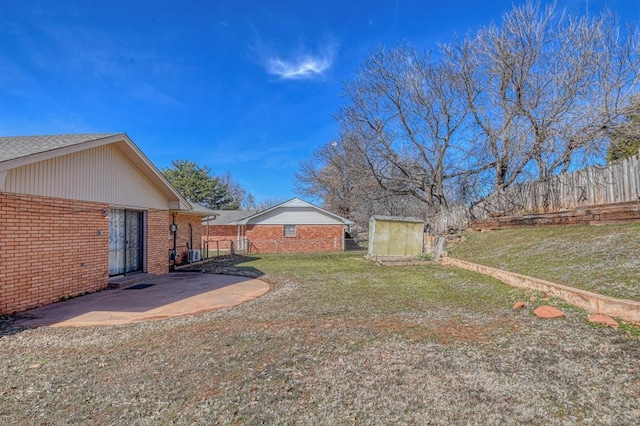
(246, 87)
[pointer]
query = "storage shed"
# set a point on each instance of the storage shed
(391, 236)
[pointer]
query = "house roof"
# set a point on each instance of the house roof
(229, 217)
(295, 202)
(14, 147)
(18, 151)
(202, 210)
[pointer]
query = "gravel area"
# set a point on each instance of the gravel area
(339, 340)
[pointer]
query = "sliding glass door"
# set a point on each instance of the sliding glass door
(125, 241)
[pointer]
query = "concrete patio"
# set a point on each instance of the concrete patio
(158, 297)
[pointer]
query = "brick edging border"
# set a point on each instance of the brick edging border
(627, 310)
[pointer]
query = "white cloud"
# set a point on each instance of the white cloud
(305, 66)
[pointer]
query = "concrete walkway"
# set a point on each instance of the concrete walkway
(170, 295)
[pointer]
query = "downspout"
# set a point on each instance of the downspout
(175, 241)
(190, 236)
(175, 235)
(207, 243)
(245, 240)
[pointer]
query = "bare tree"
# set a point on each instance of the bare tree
(238, 194)
(543, 86)
(339, 174)
(536, 95)
(406, 110)
(329, 176)
(250, 203)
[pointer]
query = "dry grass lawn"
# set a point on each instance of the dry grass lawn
(339, 340)
(603, 259)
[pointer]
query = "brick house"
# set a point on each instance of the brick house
(76, 210)
(294, 226)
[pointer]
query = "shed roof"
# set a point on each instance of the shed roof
(397, 219)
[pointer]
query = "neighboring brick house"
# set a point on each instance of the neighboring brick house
(294, 226)
(78, 209)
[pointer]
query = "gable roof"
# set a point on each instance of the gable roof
(296, 203)
(18, 151)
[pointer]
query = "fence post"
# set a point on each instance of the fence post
(439, 249)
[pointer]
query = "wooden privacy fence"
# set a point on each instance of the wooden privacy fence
(593, 186)
(454, 218)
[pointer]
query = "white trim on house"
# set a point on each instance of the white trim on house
(292, 206)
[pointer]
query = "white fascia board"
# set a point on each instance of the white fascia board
(296, 202)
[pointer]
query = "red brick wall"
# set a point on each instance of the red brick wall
(185, 234)
(308, 239)
(50, 248)
(220, 236)
(158, 236)
(220, 232)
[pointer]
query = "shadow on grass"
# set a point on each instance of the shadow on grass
(233, 265)
(7, 327)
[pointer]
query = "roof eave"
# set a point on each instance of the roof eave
(345, 221)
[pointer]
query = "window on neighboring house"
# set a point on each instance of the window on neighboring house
(289, 230)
